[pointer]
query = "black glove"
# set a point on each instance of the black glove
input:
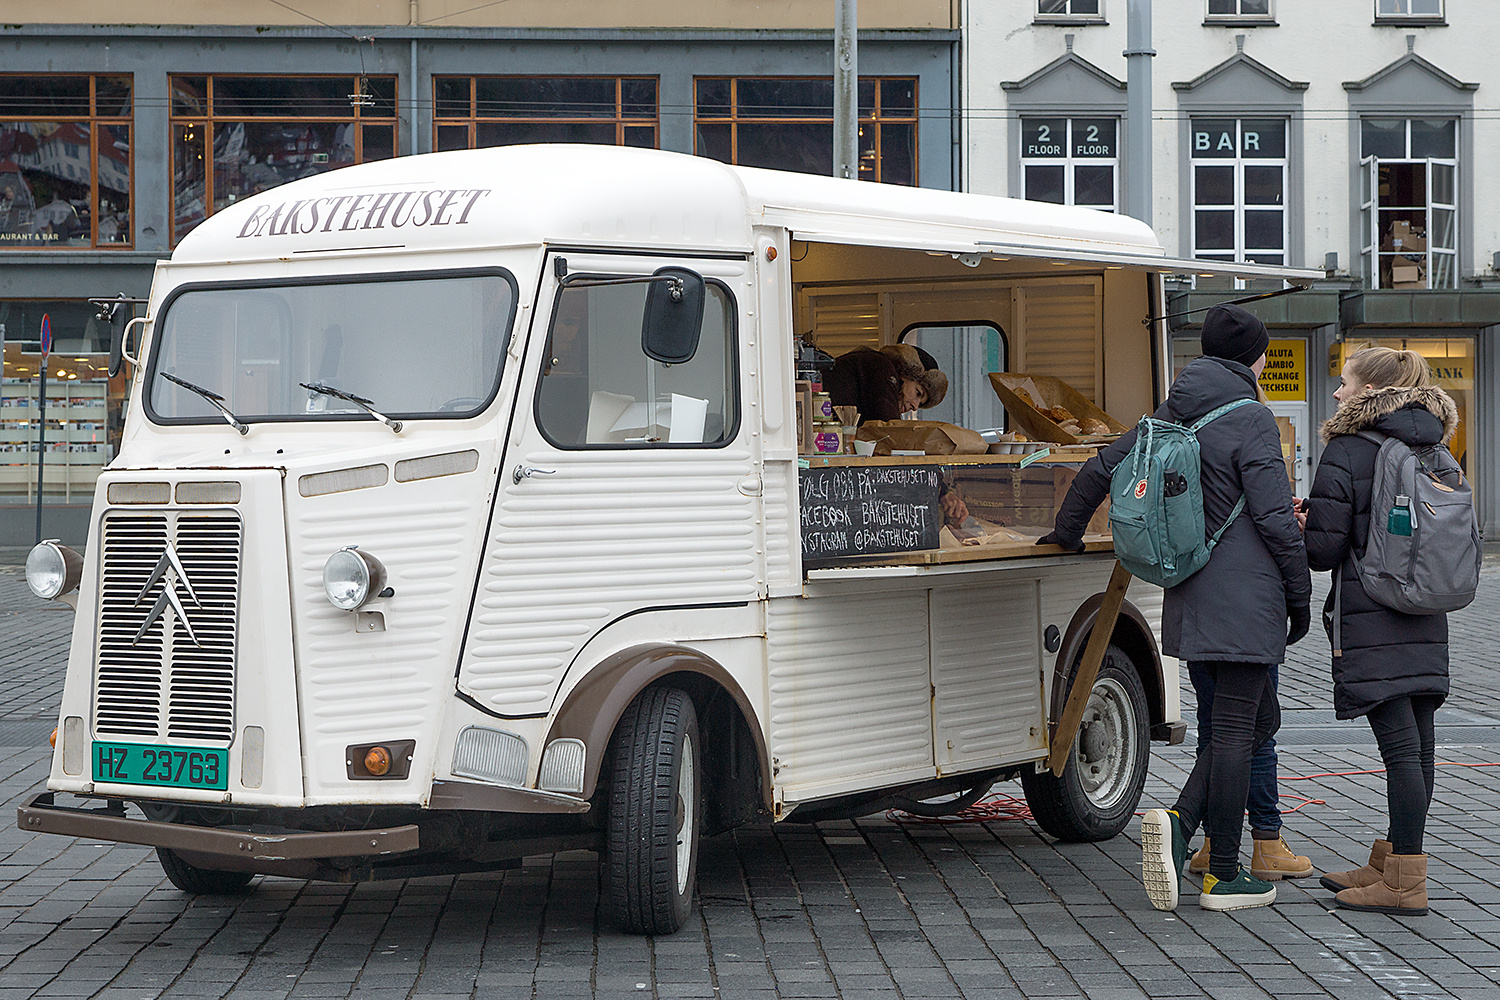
(1076, 545)
(1300, 616)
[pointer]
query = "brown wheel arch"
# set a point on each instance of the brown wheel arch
(594, 706)
(1132, 635)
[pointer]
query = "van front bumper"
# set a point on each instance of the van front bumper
(272, 852)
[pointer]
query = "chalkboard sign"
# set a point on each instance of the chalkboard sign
(868, 510)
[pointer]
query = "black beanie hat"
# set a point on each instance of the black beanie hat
(1234, 334)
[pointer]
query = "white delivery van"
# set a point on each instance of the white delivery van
(459, 516)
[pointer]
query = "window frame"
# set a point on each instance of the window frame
(731, 430)
(1393, 17)
(1371, 244)
(734, 119)
(1069, 161)
(963, 401)
(1239, 17)
(473, 119)
(93, 120)
(1068, 17)
(151, 362)
(210, 119)
(1240, 253)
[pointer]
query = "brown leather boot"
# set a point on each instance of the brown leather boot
(1402, 890)
(1273, 860)
(1199, 864)
(1373, 871)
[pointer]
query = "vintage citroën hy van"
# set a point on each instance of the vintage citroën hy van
(465, 510)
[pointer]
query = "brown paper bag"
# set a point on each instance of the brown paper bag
(931, 437)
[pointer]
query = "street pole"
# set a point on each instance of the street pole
(41, 419)
(1138, 55)
(846, 89)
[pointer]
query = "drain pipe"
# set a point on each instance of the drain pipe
(412, 86)
(1138, 55)
(846, 89)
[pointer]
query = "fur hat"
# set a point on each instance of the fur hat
(1234, 334)
(917, 365)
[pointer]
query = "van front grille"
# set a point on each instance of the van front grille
(168, 618)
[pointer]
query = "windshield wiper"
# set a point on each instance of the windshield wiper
(360, 401)
(214, 398)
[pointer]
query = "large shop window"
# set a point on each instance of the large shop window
(1071, 161)
(83, 404)
(1239, 190)
(599, 389)
(262, 131)
(787, 123)
(475, 111)
(65, 161)
(1409, 202)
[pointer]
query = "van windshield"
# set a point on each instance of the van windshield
(427, 346)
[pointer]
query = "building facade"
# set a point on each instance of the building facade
(1356, 137)
(121, 129)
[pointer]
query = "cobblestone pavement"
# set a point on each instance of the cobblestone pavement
(868, 908)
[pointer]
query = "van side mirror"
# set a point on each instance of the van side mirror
(673, 317)
(116, 346)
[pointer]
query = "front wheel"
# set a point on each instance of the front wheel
(1096, 795)
(199, 881)
(651, 853)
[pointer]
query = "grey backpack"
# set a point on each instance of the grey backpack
(1424, 549)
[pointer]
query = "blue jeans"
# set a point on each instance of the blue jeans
(1261, 804)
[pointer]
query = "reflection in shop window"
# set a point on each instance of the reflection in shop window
(470, 112)
(65, 161)
(259, 132)
(84, 413)
(786, 123)
(1409, 202)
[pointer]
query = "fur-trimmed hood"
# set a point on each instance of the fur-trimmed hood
(1368, 407)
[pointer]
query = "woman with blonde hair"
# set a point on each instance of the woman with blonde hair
(1394, 667)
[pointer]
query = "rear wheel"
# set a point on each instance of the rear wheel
(199, 881)
(651, 854)
(1096, 795)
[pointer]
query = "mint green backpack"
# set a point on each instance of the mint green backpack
(1156, 501)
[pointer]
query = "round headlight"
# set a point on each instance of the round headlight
(52, 570)
(352, 577)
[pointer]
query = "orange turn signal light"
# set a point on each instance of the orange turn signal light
(378, 761)
(53, 739)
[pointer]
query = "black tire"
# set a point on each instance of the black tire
(655, 813)
(200, 881)
(1096, 795)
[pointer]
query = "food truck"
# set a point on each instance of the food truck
(468, 508)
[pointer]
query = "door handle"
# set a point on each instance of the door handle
(526, 472)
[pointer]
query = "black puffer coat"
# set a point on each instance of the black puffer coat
(1234, 608)
(868, 380)
(1387, 654)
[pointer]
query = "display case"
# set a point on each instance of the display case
(76, 444)
(931, 509)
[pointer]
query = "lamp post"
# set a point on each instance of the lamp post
(41, 418)
(846, 89)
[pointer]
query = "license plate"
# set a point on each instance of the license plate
(166, 767)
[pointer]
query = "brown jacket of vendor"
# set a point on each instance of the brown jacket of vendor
(870, 380)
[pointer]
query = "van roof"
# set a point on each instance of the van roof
(568, 194)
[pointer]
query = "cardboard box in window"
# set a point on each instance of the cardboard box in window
(1402, 238)
(1407, 276)
(1045, 408)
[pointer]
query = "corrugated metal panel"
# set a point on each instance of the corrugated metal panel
(850, 687)
(986, 672)
(783, 552)
(605, 534)
(843, 322)
(1063, 335)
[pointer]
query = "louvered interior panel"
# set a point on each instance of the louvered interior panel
(201, 694)
(1062, 335)
(844, 322)
(127, 687)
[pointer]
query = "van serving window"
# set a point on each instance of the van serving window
(424, 346)
(599, 389)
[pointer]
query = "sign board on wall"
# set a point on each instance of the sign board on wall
(1285, 375)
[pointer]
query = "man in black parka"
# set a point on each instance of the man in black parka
(1231, 617)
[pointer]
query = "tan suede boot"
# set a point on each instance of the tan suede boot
(1402, 890)
(1273, 860)
(1372, 872)
(1199, 864)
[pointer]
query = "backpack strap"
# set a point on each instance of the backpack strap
(1195, 427)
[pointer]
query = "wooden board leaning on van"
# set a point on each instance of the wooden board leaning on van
(1015, 391)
